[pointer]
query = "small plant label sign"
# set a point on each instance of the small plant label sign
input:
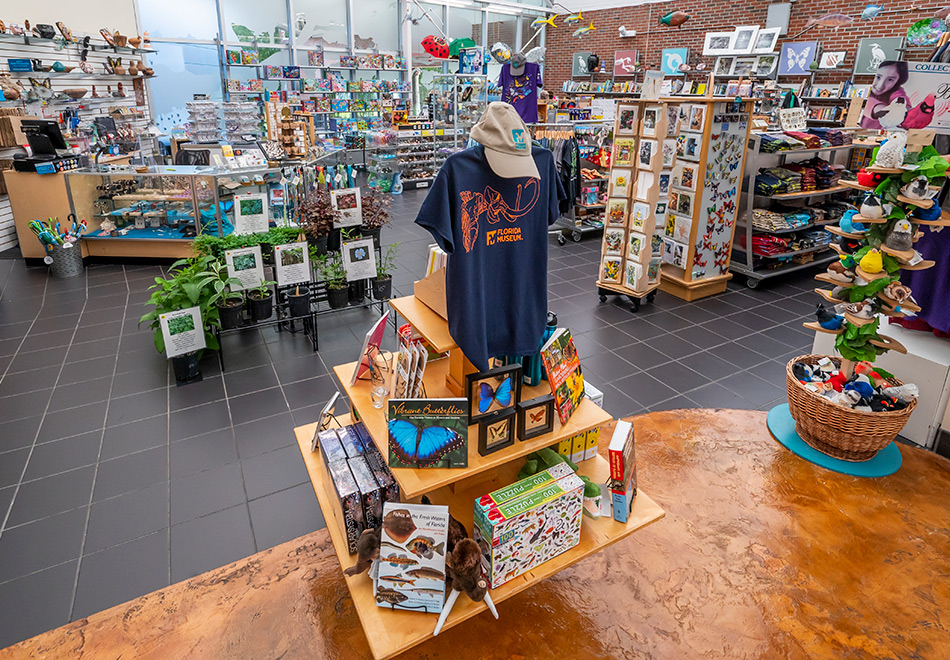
(292, 263)
(246, 265)
(183, 330)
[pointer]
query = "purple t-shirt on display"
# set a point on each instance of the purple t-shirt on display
(522, 91)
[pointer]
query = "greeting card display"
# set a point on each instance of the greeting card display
(620, 182)
(624, 151)
(613, 241)
(616, 212)
(628, 119)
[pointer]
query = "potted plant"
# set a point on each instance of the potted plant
(260, 300)
(316, 218)
(376, 207)
(298, 301)
(231, 303)
(383, 282)
(190, 284)
(331, 271)
(356, 288)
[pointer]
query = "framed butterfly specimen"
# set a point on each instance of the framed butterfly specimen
(492, 390)
(427, 433)
(535, 417)
(496, 431)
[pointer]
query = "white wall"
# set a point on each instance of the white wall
(80, 16)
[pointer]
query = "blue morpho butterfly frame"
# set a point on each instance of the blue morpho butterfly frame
(492, 390)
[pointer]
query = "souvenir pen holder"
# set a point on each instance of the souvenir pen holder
(67, 260)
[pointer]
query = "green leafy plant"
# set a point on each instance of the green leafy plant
(331, 270)
(190, 284)
(216, 246)
(376, 209)
(854, 343)
(263, 289)
(387, 262)
(223, 283)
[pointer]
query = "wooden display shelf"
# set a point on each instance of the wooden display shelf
(691, 290)
(813, 325)
(427, 323)
(391, 632)
(417, 482)
(622, 290)
(854, 184)
(809, 193)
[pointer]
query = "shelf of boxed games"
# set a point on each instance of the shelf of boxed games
(762, 266)
(390, 632)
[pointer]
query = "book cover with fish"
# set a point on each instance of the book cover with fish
(426, 433)
(563, 369)
(411, 569)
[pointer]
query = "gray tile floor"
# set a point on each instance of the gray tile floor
(114, 482)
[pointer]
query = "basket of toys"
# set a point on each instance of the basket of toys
(841, 432)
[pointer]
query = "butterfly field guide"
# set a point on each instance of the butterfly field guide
(428, 433)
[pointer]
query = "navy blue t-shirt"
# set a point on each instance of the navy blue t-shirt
(496, 233)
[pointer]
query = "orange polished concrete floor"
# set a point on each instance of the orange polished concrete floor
(761, 555)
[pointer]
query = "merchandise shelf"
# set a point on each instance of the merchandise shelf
(391, 632)
(808, 193)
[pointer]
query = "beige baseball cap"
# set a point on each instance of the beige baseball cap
(507, 142)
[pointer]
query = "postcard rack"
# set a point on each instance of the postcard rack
(391, 632)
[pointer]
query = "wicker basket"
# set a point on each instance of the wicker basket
(851, 435)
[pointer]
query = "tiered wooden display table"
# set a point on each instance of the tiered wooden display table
(390, 632)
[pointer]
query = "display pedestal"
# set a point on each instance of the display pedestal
(390, 632)
(694, 290)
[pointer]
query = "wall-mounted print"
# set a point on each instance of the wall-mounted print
(625, 62)
(616, 212)
(743, 66)
(831, 59)
(628, 119)
(620, 182)
(672, 59)
(724, 65)
(744, 40)
(797, 57)
(873, 51)
(718, 43)
(914, 104)
(579, 64)
(765, 66)
(765, 40)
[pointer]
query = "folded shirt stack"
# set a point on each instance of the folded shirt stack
(806, 174)
(810, 141)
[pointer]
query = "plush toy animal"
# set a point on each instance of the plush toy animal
(871, 207)
(367, 550)
(891, 153)
(918, 188)
(900, 238)
(463, 569)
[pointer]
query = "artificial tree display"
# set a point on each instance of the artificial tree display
(875, 245)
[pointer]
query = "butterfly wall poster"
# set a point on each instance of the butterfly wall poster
(426, 433)
(492, 390)
(496, 431)
(796, 58)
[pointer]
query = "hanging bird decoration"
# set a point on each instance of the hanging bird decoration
(833, 20)
(674, 19)
(871, 11)
(581, 31)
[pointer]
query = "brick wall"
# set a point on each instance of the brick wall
(652, 38)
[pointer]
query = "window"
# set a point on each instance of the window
(163, 19)
(320, 23)
(378, 22)
(245, 20)
(182, 70)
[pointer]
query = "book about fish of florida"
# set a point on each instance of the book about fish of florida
(410, 573)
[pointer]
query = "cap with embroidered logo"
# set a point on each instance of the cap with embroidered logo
(507, 142)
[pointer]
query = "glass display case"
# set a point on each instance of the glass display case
(457, 101)
(156, 212)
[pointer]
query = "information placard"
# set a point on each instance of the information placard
(246, 265)
(359, 259)
(292, 263)
(183, 331)
(347, 202)
(250, 213)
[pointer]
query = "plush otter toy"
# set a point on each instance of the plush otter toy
(367, 551)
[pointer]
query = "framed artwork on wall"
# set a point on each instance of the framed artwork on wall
(765, 40)
(579, 64)
(831, 59)
(743, 66)
(718, 43)
(625, 62)
(797, 57)
(672, 59)
(872, 51)
(744, 40)
(765, 65)
(724, 66)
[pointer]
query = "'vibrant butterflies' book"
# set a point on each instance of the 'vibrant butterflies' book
(563, 369)
(426, 433)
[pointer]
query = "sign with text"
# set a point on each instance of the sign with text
(246, 265)
(183, 331)
(921, 101)
(347, 202)
(250, 214)
(359, 259)
(292, 263)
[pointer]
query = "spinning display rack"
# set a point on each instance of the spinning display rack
(390, 632)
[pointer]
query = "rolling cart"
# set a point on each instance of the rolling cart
(605, 289)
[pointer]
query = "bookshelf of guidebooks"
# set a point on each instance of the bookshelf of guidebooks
(389, 632)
